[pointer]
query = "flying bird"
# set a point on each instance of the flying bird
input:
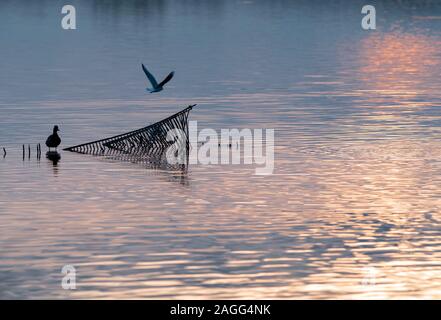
(53, 141)
(156, 86)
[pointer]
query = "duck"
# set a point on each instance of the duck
(53, 141)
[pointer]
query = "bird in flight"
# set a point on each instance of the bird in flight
(156, 87)
(53, 141)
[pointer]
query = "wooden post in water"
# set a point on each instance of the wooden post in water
(4, 153)
(23, 152)
(29, 151)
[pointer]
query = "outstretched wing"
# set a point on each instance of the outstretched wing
(167, 79)
(150, 77)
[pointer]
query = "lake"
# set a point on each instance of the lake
(351, 211)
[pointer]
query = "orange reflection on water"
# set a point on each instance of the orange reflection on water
(400, 64)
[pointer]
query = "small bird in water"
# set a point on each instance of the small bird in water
(156, 87)
(53, 141)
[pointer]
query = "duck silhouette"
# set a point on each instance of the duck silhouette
(53, 141)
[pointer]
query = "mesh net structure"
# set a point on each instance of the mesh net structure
(146, 145)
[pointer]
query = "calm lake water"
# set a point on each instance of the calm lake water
(353, 209)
